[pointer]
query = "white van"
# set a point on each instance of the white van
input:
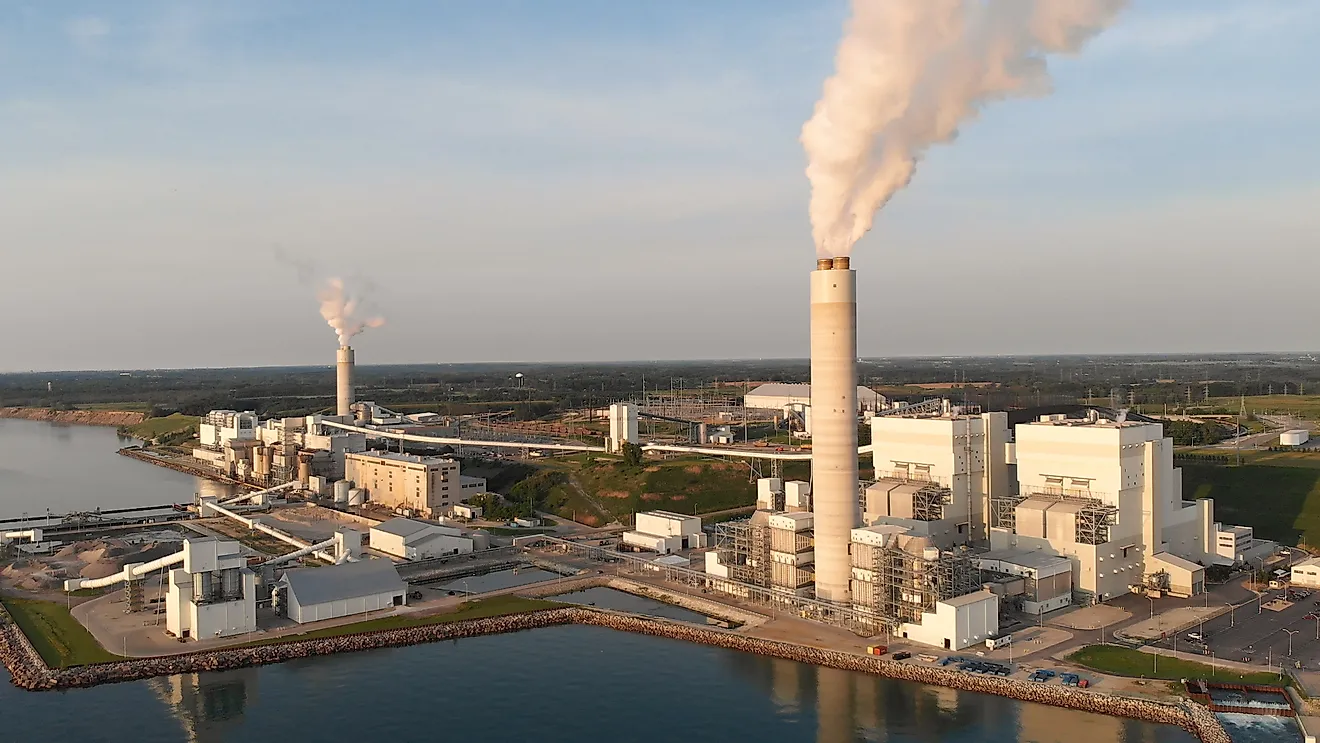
(995, 643)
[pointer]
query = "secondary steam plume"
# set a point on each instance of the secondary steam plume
(907, 74)
(340, 310)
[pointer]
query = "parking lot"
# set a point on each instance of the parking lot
(1253, 632)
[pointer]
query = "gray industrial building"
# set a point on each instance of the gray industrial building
(312, 594)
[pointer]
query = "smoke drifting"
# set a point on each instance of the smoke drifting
(340, 310)
(907, 74)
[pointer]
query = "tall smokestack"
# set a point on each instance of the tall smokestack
(344, 381)
(833, 422)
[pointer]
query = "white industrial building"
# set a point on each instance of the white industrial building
(313, 594)
(777, 396)
(665, 532)
(933, 473)
(1105, 494)
(1295, 437)
(957, 623)
(1037, 582)
(418, 540)
(773, 494)
(219, 427)
(1306, 573)
(623, 426)
(429, 486)
(213, 594)
(470, 487)
(1233, 543)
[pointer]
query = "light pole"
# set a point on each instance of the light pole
(1290, 632)
(1212, 664)
(1151, 599)
(1317, 627)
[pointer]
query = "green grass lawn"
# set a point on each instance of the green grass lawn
(1119, 661)
(153, 427)
(684, 485)
(1302, 406)
(56, 635)
(1282, 503)
(496, 606)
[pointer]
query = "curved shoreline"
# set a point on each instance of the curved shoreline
(31, 673)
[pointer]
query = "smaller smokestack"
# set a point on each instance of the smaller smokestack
(841, 263)
(344, 382)
(824, 264)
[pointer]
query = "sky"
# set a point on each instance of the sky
(591, 180)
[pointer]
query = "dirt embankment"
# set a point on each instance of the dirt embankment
(76, 417)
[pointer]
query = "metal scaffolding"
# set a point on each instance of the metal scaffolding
(1003, 511)
(928, 503)
(745, 548)
(904, 585)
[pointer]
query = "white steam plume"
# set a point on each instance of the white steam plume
(340, 310)
(907, 74)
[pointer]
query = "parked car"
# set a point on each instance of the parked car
(1196, 637)
(902, 655)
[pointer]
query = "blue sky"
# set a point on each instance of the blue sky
(602, 180)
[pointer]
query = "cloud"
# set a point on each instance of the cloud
(87, 31)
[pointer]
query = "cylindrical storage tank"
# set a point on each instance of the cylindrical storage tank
(341, 492)
(304, 467)
(834, 423)
(357, 496)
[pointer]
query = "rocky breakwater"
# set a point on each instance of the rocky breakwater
(75, 417)
(25, 665)
(29, 672)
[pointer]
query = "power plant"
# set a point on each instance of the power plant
(834, 422)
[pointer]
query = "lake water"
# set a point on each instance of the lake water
(70, 468)
(555, 684)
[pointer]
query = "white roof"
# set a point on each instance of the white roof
(1035, 559)
(1175, 561)
(968, 599)
(395, 456)
(673, 560)
(405, 528)
(1310, 563)
(669, 515)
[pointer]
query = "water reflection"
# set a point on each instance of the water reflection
(853, 706)
(207, 705)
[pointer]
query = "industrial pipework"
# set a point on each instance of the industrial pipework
(256, 493)
(208, 505)
(344, 381)
(130, 573)
(32, 535)
(834, 423)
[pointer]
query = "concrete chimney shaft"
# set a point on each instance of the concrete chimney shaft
(344, 381)
(834, 423)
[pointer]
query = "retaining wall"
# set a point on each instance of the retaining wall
(29, 672)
